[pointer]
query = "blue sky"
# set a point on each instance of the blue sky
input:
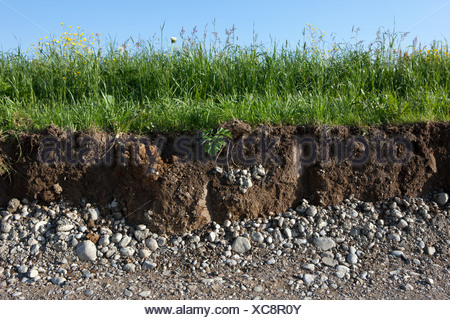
(23, 22)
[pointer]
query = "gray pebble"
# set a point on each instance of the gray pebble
(129, 267)
(152, 244)
(87, 251)
(58, 280)
(144, 294)
(341, 271)
(324, 244)
(352, 258)
(241, 245)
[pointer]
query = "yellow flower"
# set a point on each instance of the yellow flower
(62, 23)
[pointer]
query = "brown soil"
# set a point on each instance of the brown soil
(169, 184)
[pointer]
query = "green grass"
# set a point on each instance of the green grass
(71, 82)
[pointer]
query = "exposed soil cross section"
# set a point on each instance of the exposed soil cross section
(171, 185)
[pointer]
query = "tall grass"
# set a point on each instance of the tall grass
(73, 82)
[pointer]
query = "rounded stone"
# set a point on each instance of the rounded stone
(5, 227)
(241, 245)
(152, 244)
(341, 271)
(125, 241)
(311, 211)
(129, 267)
(257, 237)
(87, 251)
(352, 258)
(324, 244)
(441, 198)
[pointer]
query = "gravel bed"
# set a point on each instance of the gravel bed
(392, 249)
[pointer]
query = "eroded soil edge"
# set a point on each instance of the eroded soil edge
(169, 184)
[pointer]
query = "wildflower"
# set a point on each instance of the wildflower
(173, 39)
(121, 49)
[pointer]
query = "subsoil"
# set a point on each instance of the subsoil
(168, 183)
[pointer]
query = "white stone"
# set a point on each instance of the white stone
(87, 251)
(129, 267)
(116, 238)
(324, 244)
(212, 236)
(309, 278)
(352, 258)
(341, 271)
(311, 211)
(144, 294)
(241, 245)
(33, 273)
(152, 244)
(58, 280)
(93, 213)
(124, 241)
(257, 237)
(441, 198)
(127, 251)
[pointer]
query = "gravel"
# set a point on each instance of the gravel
(392, 249)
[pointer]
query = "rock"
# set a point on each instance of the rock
(58, 280)
(124, 241)
(440, 198)
(33, 273)
(144, 253)
(127, 251)
(341, 271)
(324, 244)
(13, 205)
(352, 258)
(64, 226)
(104, 241)
(93, 213)
(311, 211)
(430, 281)
(212, 236)
(141, 235)
(271, 261)
(88, 292)
(116, 238)
(152, 244)
(402, 224)
(22, 269)
(144, 294)
(398, 253)
(258, 289)
(329, 261)
(127, 293)
(431, 250)
(308, 278)
(257, 237)
(309, 267)
(148, 265)
(129, 267)
(241, 245)
(5, 227)
(87, 251)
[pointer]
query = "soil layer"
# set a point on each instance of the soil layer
(168, 183)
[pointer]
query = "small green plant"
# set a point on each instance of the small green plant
(214, 142)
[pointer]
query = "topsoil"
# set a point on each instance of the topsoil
(167, 182)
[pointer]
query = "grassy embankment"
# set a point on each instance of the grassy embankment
(70, 82)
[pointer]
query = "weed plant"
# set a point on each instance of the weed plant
(197, 82)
